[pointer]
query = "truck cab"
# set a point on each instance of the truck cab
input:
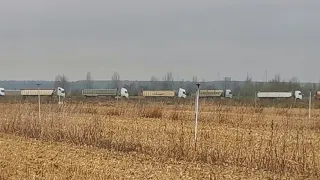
(228, 93)
(298, 95)
(317, 95)
(2, 92)
(61, 92)
(182, 93)
(124, 93)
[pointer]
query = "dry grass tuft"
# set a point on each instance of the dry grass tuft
(175, 115)
(115, 112)
(89, 110)
(153, 112)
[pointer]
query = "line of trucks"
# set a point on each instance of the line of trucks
(180, 93)
(121, 92)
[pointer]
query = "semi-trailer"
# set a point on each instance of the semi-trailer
(12, 92)
(280, 95)
(43, 92)
(208, 93)
(105, 92)
(165, 93)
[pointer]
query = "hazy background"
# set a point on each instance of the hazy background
(140, 38)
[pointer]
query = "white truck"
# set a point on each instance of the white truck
(43, 92)
(11, 92)
(279, 95)
(105, 92)
(2, 92)
(165, 93)
(206, 93)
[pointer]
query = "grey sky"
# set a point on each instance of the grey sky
(42, 38)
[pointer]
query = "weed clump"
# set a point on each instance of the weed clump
(154, 112)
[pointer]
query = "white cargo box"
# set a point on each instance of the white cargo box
(36, 92)
(274, 94)
(158, 93)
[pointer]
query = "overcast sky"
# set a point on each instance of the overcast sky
(141, 38)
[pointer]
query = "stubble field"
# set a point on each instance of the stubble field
(153, 140)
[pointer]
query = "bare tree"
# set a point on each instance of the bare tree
(277, 78)
(248, 78)
(168, 81)
(294, 80)
(116, 80)
(88, 81)
(249, 88)
(62, 81)
(168, 77)
(153, 78)
(132, 88)
(154, 82)
(194, 79)
(191, 86)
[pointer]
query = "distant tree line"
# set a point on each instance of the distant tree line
(246, 88)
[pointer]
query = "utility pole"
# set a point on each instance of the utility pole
(197, 114)
(255, 99)
(39, 103)
(310, 104)
(266, 76)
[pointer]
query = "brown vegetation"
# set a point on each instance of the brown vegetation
(276, 140)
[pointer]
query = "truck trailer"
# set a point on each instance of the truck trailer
(105, 92)
(280, 95)
(165, 93)
(206, 93)
(43, 92)
(11, 92)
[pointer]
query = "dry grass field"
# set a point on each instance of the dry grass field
(151, 140)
